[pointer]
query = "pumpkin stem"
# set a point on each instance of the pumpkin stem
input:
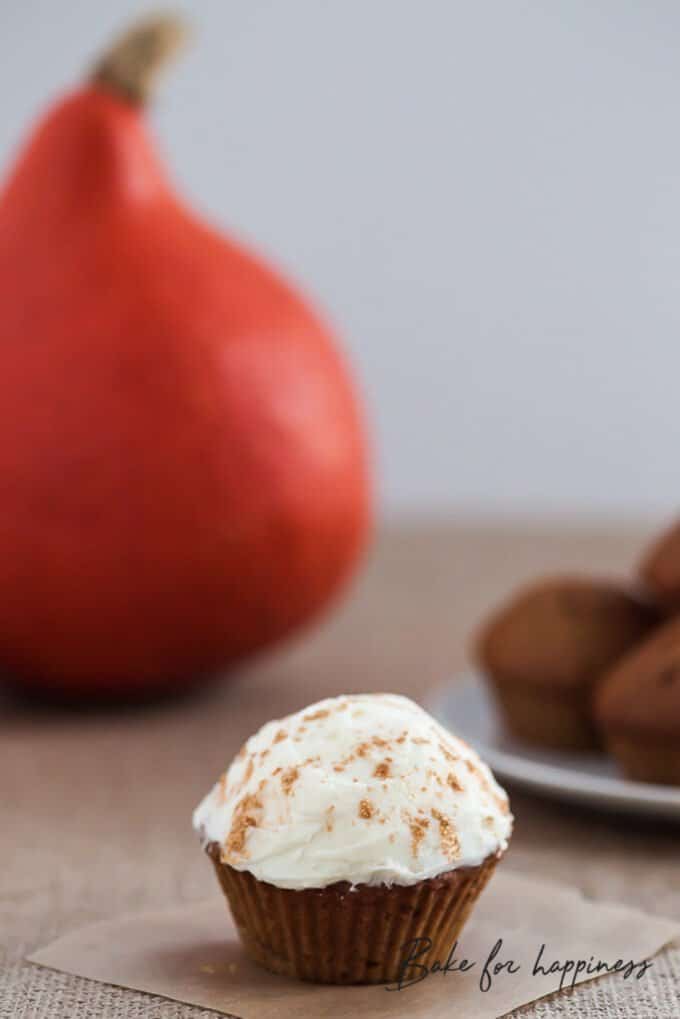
(131, 66)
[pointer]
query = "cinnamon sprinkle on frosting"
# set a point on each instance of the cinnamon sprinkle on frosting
(454, 783)
(447, 835)
(366, 809)
(418, 826)
(288, 779)
(447, 753)
(316, 715)
(246, 816)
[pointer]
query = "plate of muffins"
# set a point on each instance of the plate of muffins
(576, 693)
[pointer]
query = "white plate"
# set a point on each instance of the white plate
(465, 707)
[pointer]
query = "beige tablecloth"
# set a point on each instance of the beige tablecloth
(95, 808)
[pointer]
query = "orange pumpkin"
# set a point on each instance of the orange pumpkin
(183, 471)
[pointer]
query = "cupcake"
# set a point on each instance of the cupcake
(344, 831)
(637, 707)
(544, 651)
(660, 569)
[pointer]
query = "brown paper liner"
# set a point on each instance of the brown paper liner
(336, 935)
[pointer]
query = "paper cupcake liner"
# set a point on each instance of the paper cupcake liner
(340, 935)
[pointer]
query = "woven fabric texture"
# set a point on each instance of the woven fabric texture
(96, 807)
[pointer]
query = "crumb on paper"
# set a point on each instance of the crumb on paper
(231, 968)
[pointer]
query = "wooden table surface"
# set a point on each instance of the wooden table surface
(96, 807)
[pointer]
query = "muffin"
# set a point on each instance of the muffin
(660, 569)
(342, 832)
(544, 651)
(637, 707)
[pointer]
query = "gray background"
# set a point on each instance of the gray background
(484, 196)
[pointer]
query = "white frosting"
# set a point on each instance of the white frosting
(367, 789)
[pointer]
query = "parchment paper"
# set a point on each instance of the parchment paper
(191, 954)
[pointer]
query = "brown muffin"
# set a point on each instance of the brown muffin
(637, 707)
(660, 568)
(544, 651)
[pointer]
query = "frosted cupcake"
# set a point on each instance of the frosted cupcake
(342, 832)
